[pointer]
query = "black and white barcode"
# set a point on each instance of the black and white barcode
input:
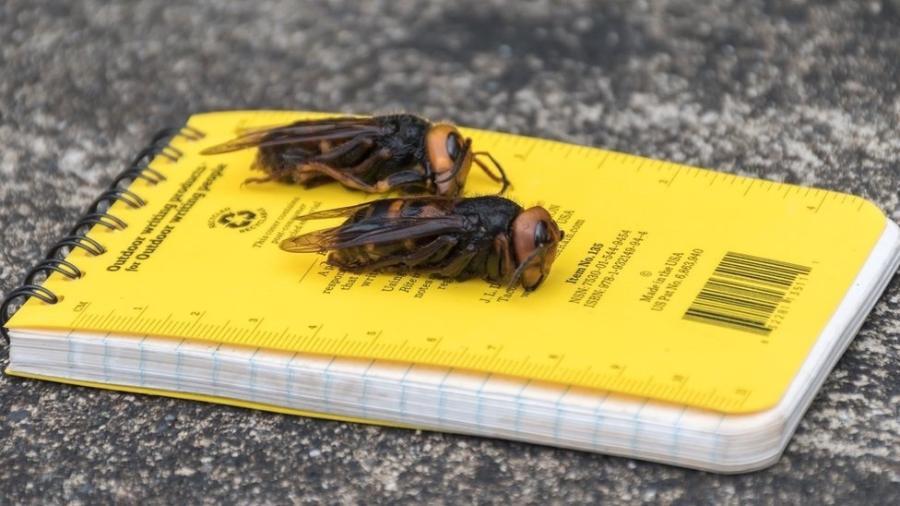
(744, 292)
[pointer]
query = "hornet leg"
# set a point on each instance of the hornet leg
(354, 147)
(400, 179)
(507, 267)
(457, 265)
(347, 177)
(390, 183)
(436, 250)
(500, 263)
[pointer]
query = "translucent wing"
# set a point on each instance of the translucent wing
(375, 231)
(301, 132)
(339, 212)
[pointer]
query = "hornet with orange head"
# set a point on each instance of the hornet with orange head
(375, 154)
(491, 237)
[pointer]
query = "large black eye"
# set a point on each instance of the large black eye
(541, 234)
(454, 145)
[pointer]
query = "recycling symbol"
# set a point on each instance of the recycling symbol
(237, 219)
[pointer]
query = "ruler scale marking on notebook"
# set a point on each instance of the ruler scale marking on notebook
(578, 181)
(462, 359)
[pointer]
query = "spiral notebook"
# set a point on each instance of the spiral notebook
(690, 316)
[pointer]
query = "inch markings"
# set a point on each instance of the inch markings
(666, 173)
(373, 344)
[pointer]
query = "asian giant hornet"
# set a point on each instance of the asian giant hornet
(460, 238)
(375, 154)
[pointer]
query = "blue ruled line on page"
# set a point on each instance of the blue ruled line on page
(479, 398)
(215, 371)
(178, 358)
(676, 435)
(636, 420)
(715, 456)
(518, 422)
(403, 390)
(326, 387)
(441, 395)
(365, 390)
(558, 412)
(253, 375)
(70, 353)
(106, 375)
(289, 384)
(598, 421)
(141, 366)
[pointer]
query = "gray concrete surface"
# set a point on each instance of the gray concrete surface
(804, 92)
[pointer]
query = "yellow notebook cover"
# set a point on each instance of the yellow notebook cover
(673, 283)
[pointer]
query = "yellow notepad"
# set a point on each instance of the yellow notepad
(674, 284)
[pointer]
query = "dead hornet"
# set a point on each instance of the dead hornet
(460, 238)
(375, 154)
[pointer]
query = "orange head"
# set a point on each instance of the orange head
(449, 157)
(535, 237)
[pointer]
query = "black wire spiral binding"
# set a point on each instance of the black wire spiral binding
(96, 214)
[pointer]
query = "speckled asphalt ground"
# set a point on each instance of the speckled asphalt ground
(804, 92)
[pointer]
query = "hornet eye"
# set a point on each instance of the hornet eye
(454, 145)
(541, 234)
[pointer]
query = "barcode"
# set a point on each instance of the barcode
(745, 292)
